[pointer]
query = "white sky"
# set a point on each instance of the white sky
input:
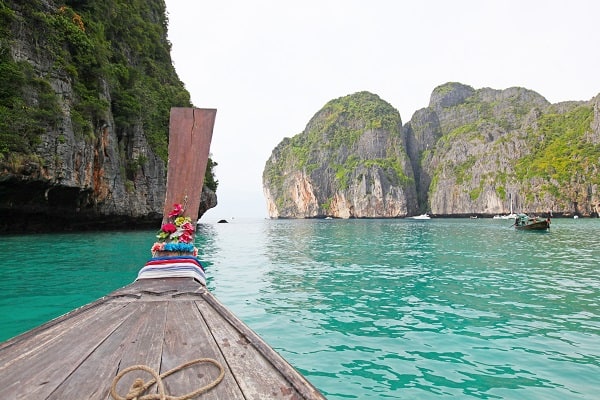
(268, 66)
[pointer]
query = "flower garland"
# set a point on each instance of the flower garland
(177, 234)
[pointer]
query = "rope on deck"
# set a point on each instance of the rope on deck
(139, 386)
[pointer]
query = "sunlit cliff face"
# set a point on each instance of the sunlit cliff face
(370, 197)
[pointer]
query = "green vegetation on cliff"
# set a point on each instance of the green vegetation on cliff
(470, 150)
(23, 120)
(353, 145)
(560, 154)
(342, 121)
(113, 55)
(114, 47)
(491, 143)
(335, 129)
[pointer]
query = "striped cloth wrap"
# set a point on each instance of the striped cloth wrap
(173, 267)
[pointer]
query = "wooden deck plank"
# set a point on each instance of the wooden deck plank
(249, 356)
(36, 373)
(45, 333)
(187, 338)
(246, 365)
(93, 378)
(161, 323)
(144, 345)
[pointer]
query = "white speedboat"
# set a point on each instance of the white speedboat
(508, 216)
(422, 216)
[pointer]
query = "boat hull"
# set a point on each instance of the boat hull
(158, 323)
(422, 216)
(534, 226)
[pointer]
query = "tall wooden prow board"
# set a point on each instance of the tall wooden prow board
(190, 134)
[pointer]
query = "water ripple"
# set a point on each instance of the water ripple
(445, 308)
(369, 309)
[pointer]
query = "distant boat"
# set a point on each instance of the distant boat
(512, 215)
(509, 216)
(525, 223)
(422, 216)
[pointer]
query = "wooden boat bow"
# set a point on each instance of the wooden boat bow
(161, 323)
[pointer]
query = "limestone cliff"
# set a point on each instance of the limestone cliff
(472, 148)
(350, 162)
(467, 153)
(84, 109)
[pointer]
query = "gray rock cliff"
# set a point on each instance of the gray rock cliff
(473, 149)
(467, 153)
(89, 164)
(350, 162)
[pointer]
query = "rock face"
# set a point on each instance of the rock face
(350, 162)
(467, 153)
(94, 160)
(477, 148)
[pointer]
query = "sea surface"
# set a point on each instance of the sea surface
(366, 309)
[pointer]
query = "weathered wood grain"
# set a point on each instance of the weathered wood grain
(160, 323)
(190, 135)
(250, 356)
(36, 368)
(144, 345)
(104, 363)
(187, 337)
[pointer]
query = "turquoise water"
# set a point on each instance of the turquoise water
(367, 309)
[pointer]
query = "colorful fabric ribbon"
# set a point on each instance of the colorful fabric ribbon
(173, 267)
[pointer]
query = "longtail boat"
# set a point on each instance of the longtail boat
(165, 336)
(525, 223)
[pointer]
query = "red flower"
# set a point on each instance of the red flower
(185, 237)
(177, 210)
(188, 227)
(157, 247)
(169, 228)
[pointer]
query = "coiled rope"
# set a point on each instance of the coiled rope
(139, 386)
